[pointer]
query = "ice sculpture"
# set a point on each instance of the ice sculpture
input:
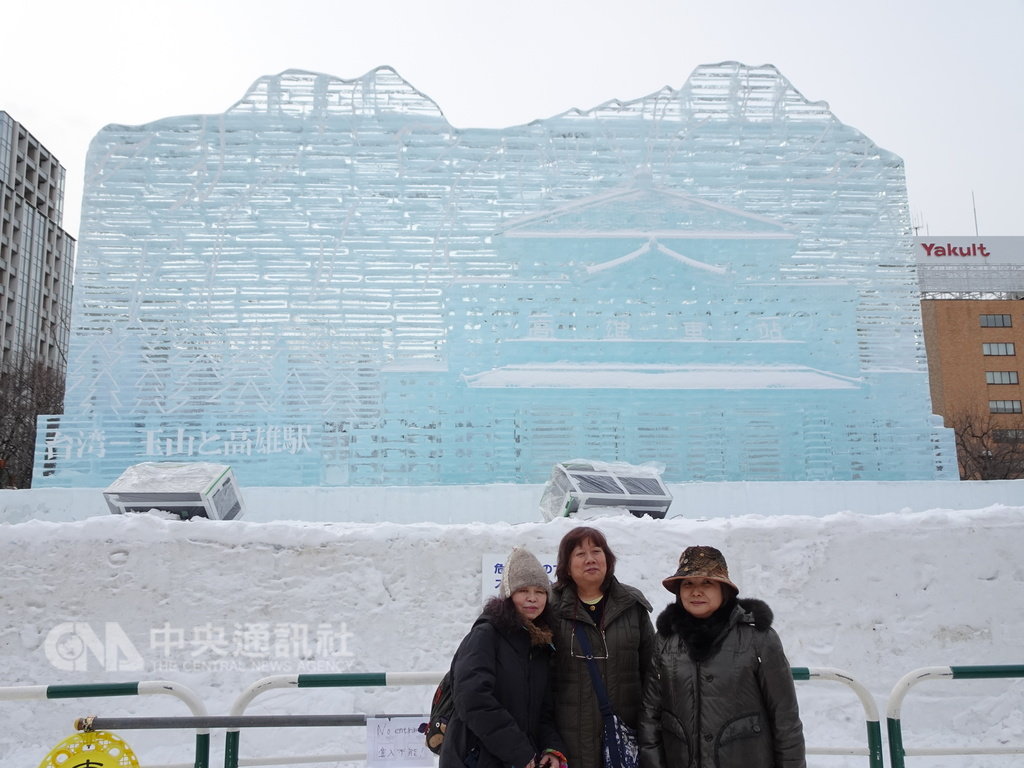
(329, 284)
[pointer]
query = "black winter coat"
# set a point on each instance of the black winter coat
(503, 712)
(722, 695)
(628, 636)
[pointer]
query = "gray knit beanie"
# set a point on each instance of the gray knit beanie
(522, 569)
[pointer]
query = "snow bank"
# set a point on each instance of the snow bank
(520, 503)
(876, 595)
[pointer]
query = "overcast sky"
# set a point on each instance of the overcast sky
(938, 82)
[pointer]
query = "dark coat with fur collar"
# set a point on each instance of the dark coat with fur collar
(500, 686)
(722, 695)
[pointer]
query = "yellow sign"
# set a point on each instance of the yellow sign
(93, 749)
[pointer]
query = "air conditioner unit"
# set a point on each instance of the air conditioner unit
(581, 484)
(186, 489)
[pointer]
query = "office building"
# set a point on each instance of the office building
(972, 310)
(36, 254)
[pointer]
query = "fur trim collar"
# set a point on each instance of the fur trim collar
(503, 616)
(755, 612)
(701, 636)
(538, 635)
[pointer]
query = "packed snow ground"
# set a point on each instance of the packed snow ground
(875, 595)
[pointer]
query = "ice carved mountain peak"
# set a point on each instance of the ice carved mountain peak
(752, 93)
(303, 93)
(727, 90)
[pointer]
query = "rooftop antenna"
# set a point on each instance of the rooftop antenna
(975, 208)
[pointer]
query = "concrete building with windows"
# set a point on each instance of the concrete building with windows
(972, 308)
(36, 254)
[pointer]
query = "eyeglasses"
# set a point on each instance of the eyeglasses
(573, 645)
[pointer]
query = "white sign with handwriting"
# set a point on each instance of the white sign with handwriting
(397, 741)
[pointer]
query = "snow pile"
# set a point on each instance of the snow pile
(217, 605)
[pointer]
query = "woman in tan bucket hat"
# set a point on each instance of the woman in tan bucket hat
(722, 693)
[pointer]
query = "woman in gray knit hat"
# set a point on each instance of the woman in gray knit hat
(722, 695)
(503, 708)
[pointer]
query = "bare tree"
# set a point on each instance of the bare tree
(988, 447)
(28, 388)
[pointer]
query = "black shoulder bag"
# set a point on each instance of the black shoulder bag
(618, 740)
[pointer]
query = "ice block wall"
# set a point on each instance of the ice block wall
(328, 284)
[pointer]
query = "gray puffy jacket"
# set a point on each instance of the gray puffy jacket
(725, 699)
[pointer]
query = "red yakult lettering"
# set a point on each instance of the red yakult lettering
(937, 249)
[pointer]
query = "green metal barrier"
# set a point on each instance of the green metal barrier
(341, 680)
(143, 688)
(873, 750)
(897, 751)
(874, 728)
(236, 719)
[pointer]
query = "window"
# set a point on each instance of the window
(1001, 377)
(1008, 435)
(1000, 348)
(1004, 406)
(996, 321)
(617, 328)
(540, 326)
(693, 330)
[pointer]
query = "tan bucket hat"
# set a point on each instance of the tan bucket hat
(699, 563)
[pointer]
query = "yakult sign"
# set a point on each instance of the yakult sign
(944, 251)
(937, 249)
(970, 265)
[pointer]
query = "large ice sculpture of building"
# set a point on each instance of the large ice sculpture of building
(329, 284)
